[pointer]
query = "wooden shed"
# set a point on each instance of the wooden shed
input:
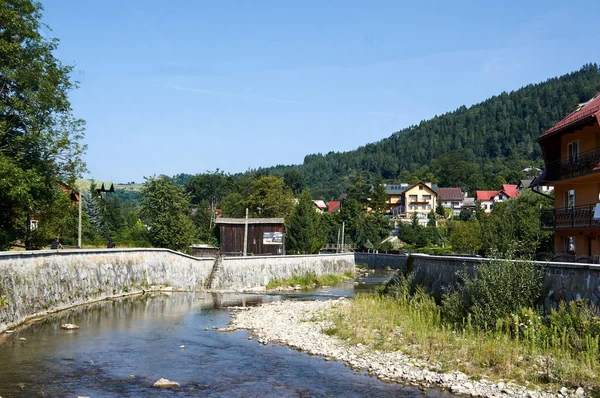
(265, 236)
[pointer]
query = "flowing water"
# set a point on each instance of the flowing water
(123, 346)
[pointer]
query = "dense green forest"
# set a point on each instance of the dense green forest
(478, 147)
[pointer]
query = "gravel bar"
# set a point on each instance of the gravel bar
(301, 325)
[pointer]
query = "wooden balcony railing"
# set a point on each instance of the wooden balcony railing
(584, 163)
(573, 217)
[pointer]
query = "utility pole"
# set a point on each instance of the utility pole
(337, 246)
(79, 226)
(343, 228)
(246, 234)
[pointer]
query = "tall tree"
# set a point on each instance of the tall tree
(166, 210)
(294, 180)
(379, 197)
(303, 232)
(209, 187)
(39, 137)
(269, 197)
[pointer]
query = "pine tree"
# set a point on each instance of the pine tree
(303, 234)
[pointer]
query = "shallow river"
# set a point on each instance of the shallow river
(123, 346)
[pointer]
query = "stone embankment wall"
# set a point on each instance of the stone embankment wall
(36, 283)
(237, 273)
(562, 281)
(380, 260)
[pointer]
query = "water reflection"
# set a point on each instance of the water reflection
(123, 346)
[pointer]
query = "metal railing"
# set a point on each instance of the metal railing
(581, 164)
(572, 217)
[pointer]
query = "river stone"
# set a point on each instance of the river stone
(579, 391)
(69, 326)
(165, 383)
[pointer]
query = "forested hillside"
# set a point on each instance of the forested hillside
(477, 147)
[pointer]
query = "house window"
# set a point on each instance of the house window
(413, 198)
(570, 244)
(420, 187)
(423, 207)
(569, 199)
(573, 152)
(426, 198)
(33, 224)
(428, 207)
(454, 204)
(409, 207)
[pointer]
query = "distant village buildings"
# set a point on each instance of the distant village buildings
(488, 198)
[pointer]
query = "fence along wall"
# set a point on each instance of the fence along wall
(35, 283)
(562, 281)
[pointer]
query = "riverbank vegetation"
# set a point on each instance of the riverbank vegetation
(309, 281)
(488, 328)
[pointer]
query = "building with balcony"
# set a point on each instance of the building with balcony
(394, 195)
(451, 198)
(416, 200)
(571, 151)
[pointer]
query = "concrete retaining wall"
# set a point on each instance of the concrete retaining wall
(239, 273)
(35, 283)
(378, 260)
(40, 282)
(562, 281)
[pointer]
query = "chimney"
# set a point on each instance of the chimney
(428, 184)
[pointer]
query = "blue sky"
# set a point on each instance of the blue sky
(189, 86)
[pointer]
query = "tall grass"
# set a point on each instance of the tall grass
(486, 327)
(521, 348)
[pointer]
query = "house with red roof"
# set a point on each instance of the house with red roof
(333, 206)
(488, 198)
(571, 151)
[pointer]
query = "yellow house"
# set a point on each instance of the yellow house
(571, 152)
(418, 199)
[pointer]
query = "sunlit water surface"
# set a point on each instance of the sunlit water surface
(123, 346)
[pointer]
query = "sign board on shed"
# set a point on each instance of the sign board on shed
(272, 238)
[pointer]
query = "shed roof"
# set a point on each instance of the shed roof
(525, 183)
(486, 195)
(584, 111)
(223, 220)
(333, 206)
(320, 204)
(450, 194)
(510, 190)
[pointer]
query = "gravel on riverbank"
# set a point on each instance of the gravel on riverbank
(302, 324)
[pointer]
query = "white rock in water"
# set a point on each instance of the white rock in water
(69, 326)
(165, 383)
(182, 347)
(22, 339)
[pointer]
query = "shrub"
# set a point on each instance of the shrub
(494, 290)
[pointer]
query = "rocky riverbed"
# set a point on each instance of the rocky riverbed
(301, 325)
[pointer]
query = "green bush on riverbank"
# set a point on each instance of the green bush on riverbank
(486, 328)
(309, 280)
